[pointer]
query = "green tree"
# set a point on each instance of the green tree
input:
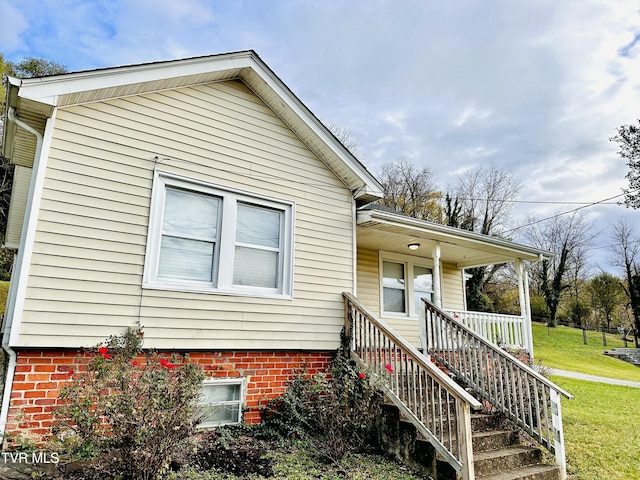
(29, 67)
(628, 138)
(606, 295)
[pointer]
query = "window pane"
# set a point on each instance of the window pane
(418, 296)
(393, 300)
(393, 275)
(393, 287)
(186, 259)
(190, 214)
(422, 279)
(257, 268)
(220, 393)
(220, 414)
(258, 226)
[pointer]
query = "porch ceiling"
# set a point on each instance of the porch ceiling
(382, 230)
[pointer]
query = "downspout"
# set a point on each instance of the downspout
(6, 328)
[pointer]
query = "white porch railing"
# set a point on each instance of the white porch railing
(509, 331)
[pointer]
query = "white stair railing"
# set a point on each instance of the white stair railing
(505, 383)
(438, 407)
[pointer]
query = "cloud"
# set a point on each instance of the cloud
(533, 86)
(12, 26)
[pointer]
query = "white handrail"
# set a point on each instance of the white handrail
(506, 383)
(438, 407)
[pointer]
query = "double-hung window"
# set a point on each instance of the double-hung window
(206, 238)
(404, 281)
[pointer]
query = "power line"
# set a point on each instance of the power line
(569, 211)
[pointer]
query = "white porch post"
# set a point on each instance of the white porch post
(437, 288)
(519, 274)
(525, 306)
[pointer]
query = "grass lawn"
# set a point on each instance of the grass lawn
(563, 348)
(600, 426)
(600, 429)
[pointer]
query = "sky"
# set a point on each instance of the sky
(535, 88)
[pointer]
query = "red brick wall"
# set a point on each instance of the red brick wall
(40, 374)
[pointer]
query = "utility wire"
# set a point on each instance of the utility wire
(569, 211)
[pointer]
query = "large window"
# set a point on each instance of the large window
(405, 281)
(204, 238)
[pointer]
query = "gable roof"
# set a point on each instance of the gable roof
(34, 99)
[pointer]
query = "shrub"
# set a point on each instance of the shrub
(128, 411)
(336, 413)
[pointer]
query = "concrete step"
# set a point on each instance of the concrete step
(631, 355)
(536, 472)
(505, 459)
(498, 454)
(481, 422)
(493, 440)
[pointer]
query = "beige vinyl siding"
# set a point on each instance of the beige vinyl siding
(452, 287)
(368, 274)
(89, 253)
(19, 197)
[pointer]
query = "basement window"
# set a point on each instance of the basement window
(221, 402)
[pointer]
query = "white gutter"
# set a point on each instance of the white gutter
(17, 279)
(445, 233)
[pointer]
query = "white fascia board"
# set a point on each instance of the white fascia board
(48, 89)
(445, 232)
(371, 186)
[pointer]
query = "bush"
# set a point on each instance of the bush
(337, 414)
(128, 411)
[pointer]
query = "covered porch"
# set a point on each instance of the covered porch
(401, 260)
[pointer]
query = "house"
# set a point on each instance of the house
(201, 201)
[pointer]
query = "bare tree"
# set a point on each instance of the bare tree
(410, 190)
(345, 136)
(568, 237)
(627, 256)
(481, 202)
(482, 199)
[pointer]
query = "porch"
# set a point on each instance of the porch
(401, 261)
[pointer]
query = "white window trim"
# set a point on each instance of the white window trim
(242, 381)
(223, 270)
(408, 261)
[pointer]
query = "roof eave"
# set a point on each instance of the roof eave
(60, 90)
(514, 250)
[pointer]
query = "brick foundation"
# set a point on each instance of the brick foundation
(40, 374)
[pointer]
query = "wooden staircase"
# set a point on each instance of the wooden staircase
(499, 454)
(443, 409)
